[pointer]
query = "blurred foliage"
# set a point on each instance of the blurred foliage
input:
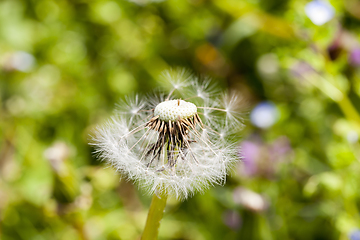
(64, 64)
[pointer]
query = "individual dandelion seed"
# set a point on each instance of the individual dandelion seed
(176, 144)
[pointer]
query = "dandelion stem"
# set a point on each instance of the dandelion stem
(154, 217)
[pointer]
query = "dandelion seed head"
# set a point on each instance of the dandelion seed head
(176, 143)
(175, 109)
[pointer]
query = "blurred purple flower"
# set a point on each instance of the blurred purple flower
(354, 57)
(355, 235)
(345, 41)
(250, 152)
(319, 12)
(279, 148)
(262, 159)
(232, 219)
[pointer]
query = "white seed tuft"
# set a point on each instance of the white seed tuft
(171, 145)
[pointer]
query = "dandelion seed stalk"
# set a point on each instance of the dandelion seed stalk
(173, 146)
(154, 217)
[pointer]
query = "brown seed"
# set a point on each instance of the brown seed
(170, 127)
(162, 126)
(157, 125)
(154, 118)
(198, 117)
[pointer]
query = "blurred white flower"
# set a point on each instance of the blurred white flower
(179, 143)
(56, 155)
(268, 65)
(319, 12)
(264, 115)
(250, 200)
(352, 136)
(22, 61)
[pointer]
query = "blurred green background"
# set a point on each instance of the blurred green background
(64, 64)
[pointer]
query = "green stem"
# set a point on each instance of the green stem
(349, 110)
(154, 217)
(339, 97)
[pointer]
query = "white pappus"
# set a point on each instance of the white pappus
(180, 143)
